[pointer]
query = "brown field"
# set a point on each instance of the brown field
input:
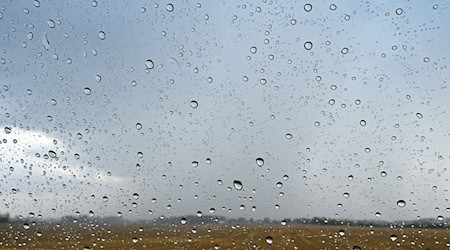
(219, 237)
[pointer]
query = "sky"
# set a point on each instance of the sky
(150, 109)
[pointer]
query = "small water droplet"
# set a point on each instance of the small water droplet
(135, 196)
(7, 130)
(401, 203)
(399, 11)
(344, 51)
(289, 136)
(362, 123)
(26, 226)
(269, 240)
(393, 237)
(341, 233)
(253, 50)
(419, 115)
(333, 7)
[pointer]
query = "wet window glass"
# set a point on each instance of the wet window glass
(224, 124)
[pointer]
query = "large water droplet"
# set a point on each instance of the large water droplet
(169, 7)
(101, 35)
(260, 162)
(308, 45)
(194, 104)
(237, 184)
(51, 23)
(87, 91)
(149, 64)
(308, 7)
(269, 240)
(393, 237)
(401, 203)
(7, 130)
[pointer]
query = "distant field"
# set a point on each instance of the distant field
(220, 237)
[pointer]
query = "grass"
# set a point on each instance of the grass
(219, 237)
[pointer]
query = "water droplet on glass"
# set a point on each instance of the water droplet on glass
(194, 104)
(308, 45)
(7, 130)
(135, 196)
(344, 51)
(169, 7)
(26, 226)
(52, 154)
(362, 123)
(260, 162)
(419, 115)
(183, 221)
(307, 7)
(401, 203)
(288, 136)
(269, 240)
(194, 164)
(399, 11)
(253, 50)
(341, 233)
(293, 21)
(87, 91)
(237, 185)
(101, 35)
(51, 23)
(393, 237)
(149, 64)
(333, 7)
(138, 126)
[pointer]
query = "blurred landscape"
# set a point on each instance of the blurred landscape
(216, 232)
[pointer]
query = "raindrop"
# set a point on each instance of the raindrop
(308, 45)
(183, 221)
(135, 240)
(399, 11)
(7, 130)
(293, 21)
(253, 50)
(237, 185)
(393, 237)
(52, 154)
(333, 7)
(346, 195)
(419, 115)
(149, 64)
(51, 23)
(269, 240)
(341, 232)
(307, 7)
(194, 104)
(260, 162)
(87, 91)
(401, 203)
(362, 123)
(26, 226)
(135, 196)
(105, 198)
(101, 35)
(288, 136)
(426, 59)
(440, 218)
(194, 164)
(169, 7)
(344, 51)
(138, 126)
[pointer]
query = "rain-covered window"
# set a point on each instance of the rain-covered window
(224, 124)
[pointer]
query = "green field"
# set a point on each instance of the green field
(219, 237)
